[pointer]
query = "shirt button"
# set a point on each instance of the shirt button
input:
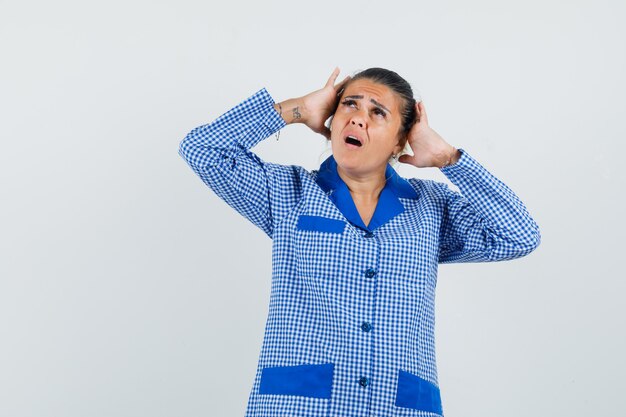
(366, 327)
(363, 381)
(369, 234)
(370, 272)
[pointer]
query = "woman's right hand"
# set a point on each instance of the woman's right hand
(319, 105)
(314, 108)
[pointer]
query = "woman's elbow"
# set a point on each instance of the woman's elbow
(526, 247)
(512, 248)
(198, 149)
(183, 147)
(530, 241)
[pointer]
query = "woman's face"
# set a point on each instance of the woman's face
(370, 112)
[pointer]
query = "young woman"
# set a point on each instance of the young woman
(356, 247)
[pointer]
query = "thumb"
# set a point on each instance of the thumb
(406, 159)
(342, 84)
(326, 132)
(332, 78)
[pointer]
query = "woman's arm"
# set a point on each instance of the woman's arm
(486, 221)
(219, 153)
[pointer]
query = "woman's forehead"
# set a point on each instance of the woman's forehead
(372, 90)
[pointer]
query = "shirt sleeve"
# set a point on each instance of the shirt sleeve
(219, 154)
(485, 221)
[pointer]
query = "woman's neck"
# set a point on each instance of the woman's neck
(364, 188)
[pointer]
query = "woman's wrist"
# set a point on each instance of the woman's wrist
(456, 154)
(290, 110)
(450, 158)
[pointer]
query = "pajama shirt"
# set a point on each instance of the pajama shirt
(350, 329)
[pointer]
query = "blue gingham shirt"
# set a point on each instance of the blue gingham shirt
(350, 328)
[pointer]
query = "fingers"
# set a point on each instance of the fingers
(421, 111)
(339, 86)
(333, 77)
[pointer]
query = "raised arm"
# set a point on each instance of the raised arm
(219, 153)
(483, 222)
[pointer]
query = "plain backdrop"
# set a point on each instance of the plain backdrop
(127, 288)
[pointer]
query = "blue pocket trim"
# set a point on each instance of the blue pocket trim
(418, 393)
(305, 380)
(319, 223)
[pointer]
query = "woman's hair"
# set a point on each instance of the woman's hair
(399, 86)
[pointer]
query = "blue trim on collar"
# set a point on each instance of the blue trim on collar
(388, 205)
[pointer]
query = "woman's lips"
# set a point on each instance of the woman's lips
(353, 140)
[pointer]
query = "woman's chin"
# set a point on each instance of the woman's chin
(352, 164)
(350, 161)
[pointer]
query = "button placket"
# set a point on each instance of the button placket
(365, 327)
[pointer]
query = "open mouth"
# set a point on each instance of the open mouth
(353, 140)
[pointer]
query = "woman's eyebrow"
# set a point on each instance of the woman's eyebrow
(372, 100)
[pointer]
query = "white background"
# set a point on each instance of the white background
(127, 288)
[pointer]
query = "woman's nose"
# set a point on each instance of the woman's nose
(358, 122)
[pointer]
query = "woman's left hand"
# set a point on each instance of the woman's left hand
(429, 148)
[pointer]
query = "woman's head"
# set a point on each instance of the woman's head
(377, 106)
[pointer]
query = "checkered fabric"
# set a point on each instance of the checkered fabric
(350, 327)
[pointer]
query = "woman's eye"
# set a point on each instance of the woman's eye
(376, 110)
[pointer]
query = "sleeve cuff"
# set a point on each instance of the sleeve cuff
(465, 160)
(272, 120)
(255, 119)
(465, 166)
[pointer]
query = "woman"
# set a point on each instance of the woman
(350, 328)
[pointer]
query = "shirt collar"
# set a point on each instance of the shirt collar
(388, 205)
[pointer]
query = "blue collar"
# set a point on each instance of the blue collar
(388, 205)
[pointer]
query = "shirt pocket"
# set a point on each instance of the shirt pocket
(295, 391)
(320, 224)
(414, 395)
(321, 246)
